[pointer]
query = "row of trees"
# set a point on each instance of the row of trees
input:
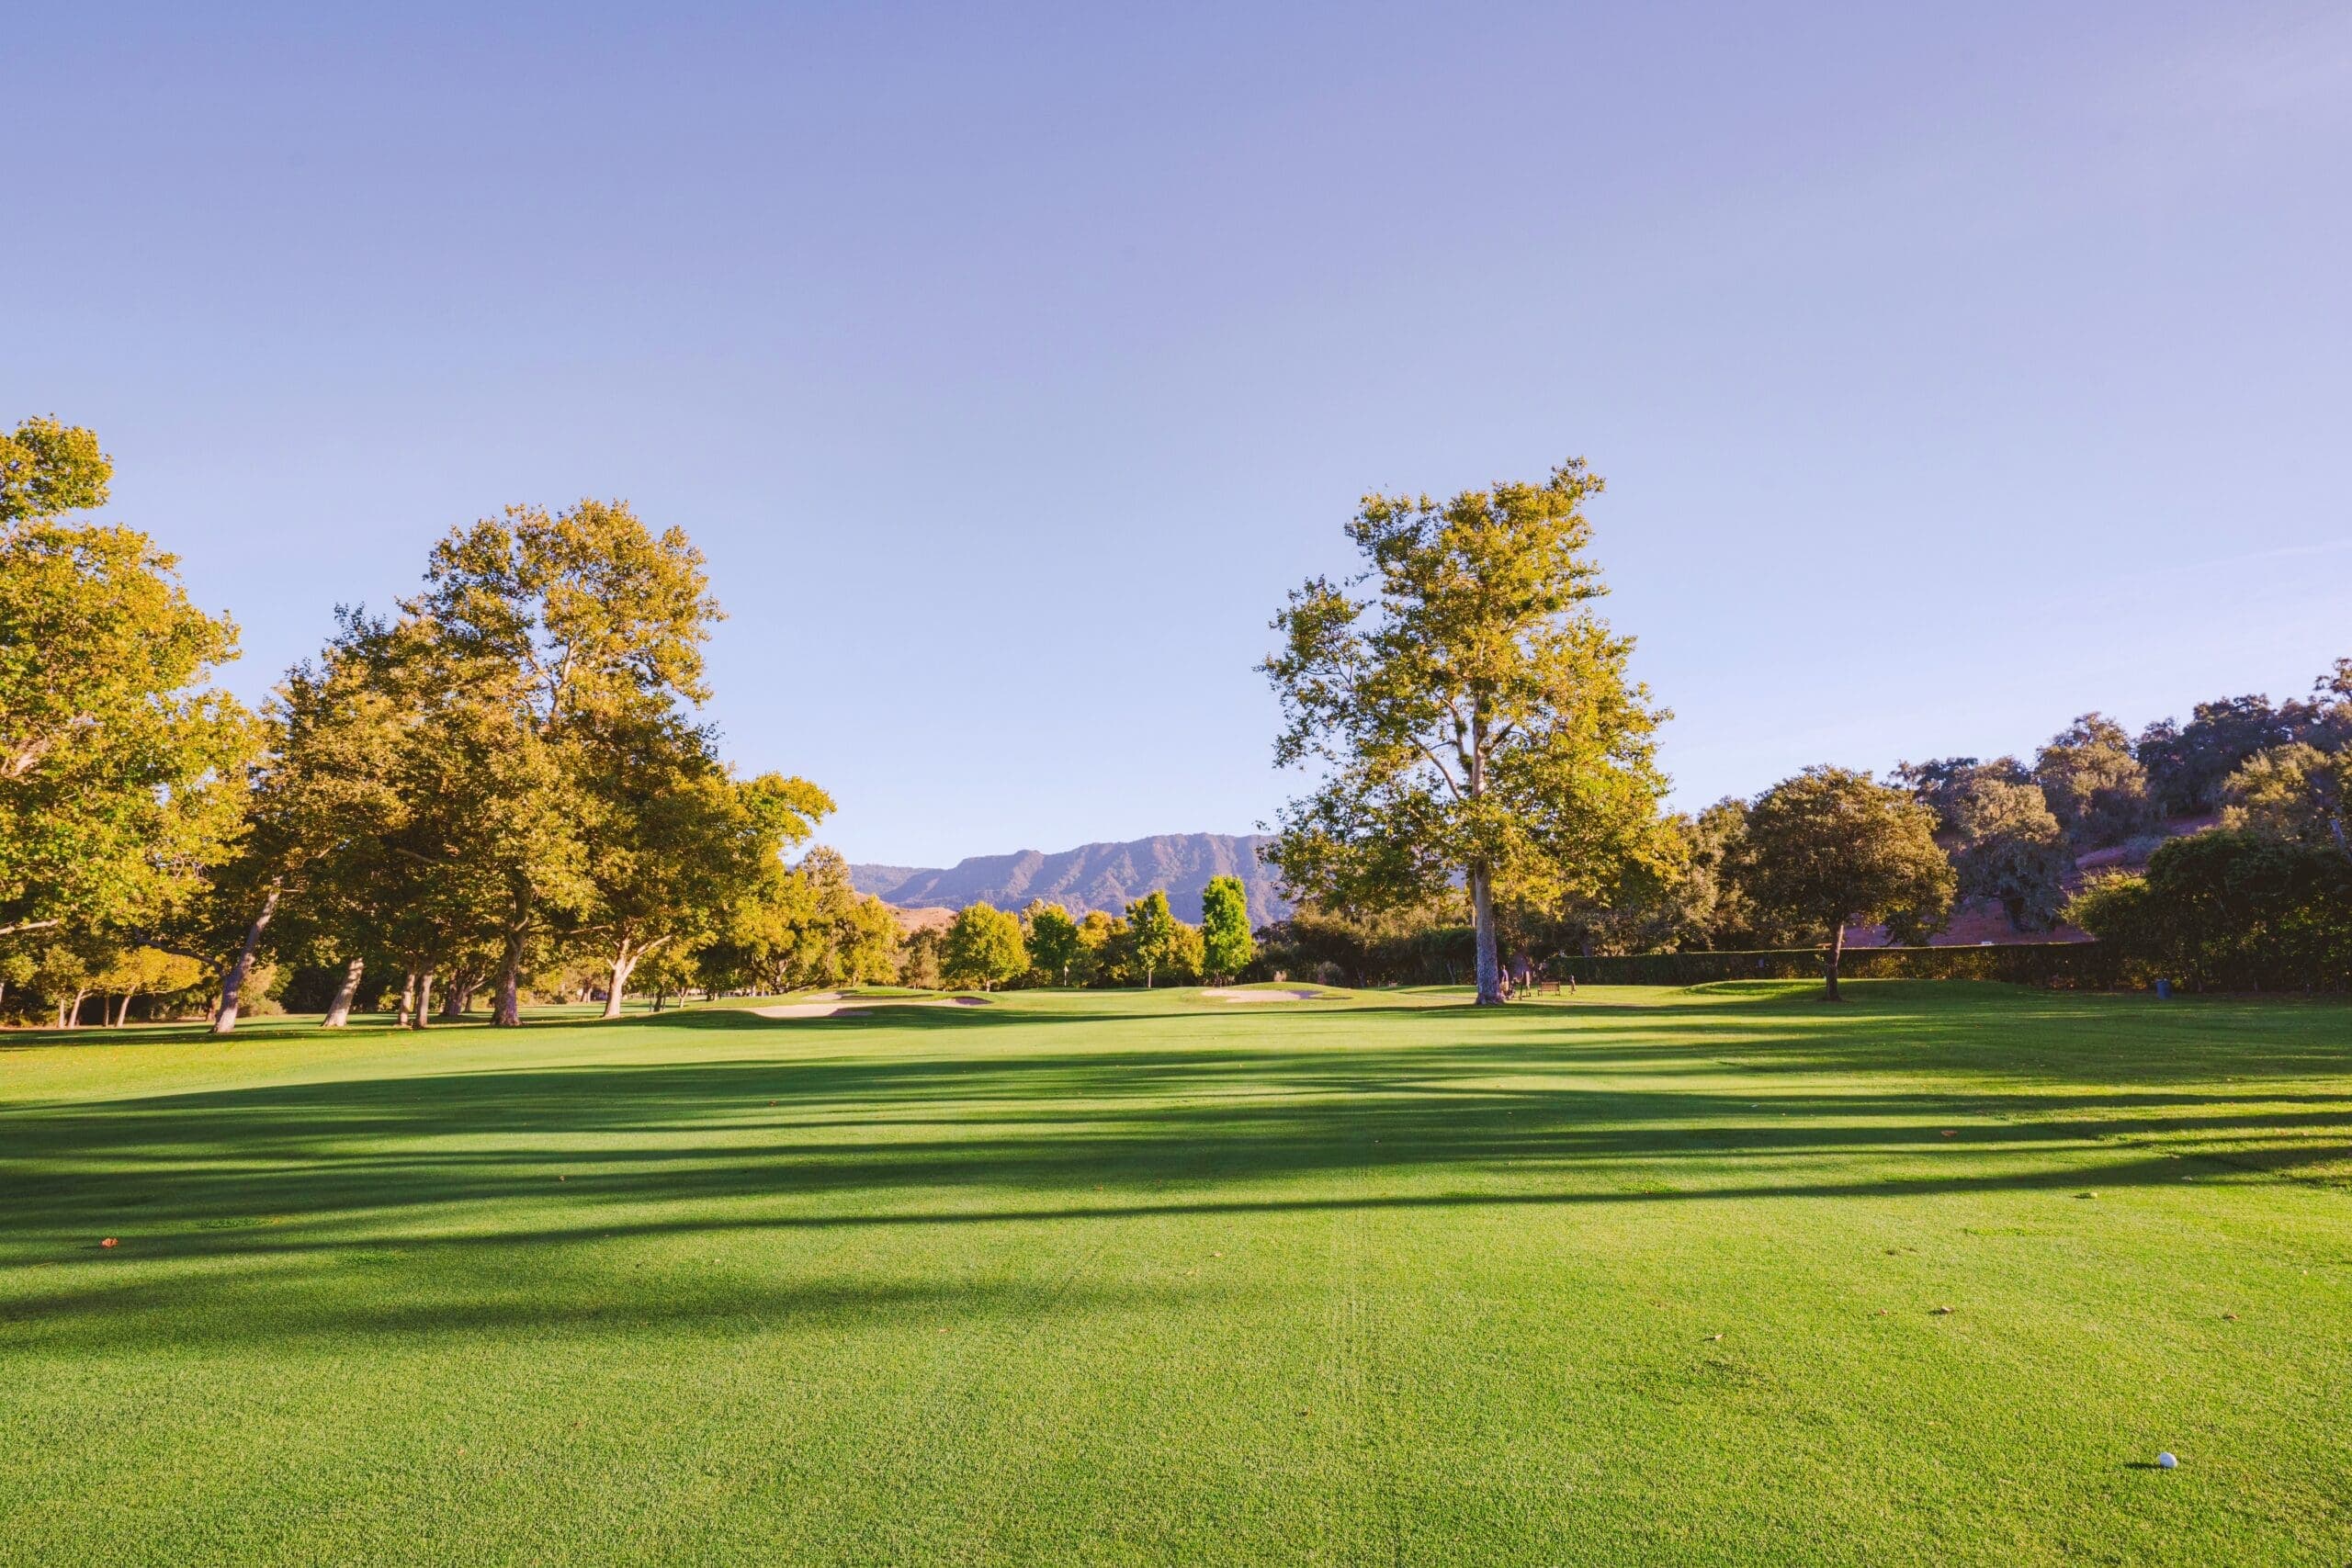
(986, 948)
(2103, 788)
(499, 787)
(2264, 900)
(1485, 759)
(1813, 855)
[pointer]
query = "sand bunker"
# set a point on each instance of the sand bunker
(1239, 994)
(832, 1004)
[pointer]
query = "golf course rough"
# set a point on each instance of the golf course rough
(1718, 1276)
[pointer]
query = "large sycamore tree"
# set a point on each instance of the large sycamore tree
(1472, 714)
(322, 812)
(678, 842)
(566, 650)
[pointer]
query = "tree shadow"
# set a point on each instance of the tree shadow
(948, 1118)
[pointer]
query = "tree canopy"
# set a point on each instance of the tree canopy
(1832, 848)
(2093, 785)
(121, 766)
(2012, 851)
(984, 948)
(1152, 941)
(1053, 938)
(1472, 713)
(1226, 947)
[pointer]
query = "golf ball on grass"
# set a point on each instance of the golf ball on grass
(2165, 1461)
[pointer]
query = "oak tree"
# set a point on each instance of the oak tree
(2012, 851)
(1832, 848)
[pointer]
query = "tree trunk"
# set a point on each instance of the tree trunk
(225, 1021)
(408, 1000)
(424, 1000)
(1482, 926)
(508, 1013)
(461, 997)
(623, 962)
(339, 1009)
(122, 1013)
(1837, 953)
(70, 1017)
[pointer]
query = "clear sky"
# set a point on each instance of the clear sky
(1955, 369)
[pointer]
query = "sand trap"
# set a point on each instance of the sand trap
(832, 1004)
(1237, 994)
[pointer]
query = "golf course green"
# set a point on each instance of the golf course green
(1722, 1275)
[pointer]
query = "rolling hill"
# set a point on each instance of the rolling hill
(1093, 876)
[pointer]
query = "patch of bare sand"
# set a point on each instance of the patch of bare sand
(1253, 994)
(832, 1004)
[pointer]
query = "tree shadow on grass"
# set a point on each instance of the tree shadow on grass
(945, 1120)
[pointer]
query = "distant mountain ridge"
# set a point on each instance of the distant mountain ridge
(1093, 876)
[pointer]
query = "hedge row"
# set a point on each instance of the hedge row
(2065, 964)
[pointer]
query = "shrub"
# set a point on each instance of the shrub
(2232, 910)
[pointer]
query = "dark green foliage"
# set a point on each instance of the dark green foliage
(2187, 765)
(1422, 946)
(1055, 947)
(2232, 910)
(2095, 786)
(1831, 848)
(1943, 783)
(2065, 965)
(1151, 935)
(2011, 852)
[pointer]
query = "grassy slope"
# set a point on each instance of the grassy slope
(1118, 1279)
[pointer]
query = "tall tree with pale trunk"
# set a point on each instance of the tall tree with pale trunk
(676, 844)
(569, 637)
(1472, 714)
(316, 872)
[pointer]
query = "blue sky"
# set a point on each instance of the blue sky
(1954, 369)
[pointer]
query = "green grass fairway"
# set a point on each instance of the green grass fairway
(1645, 1276)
